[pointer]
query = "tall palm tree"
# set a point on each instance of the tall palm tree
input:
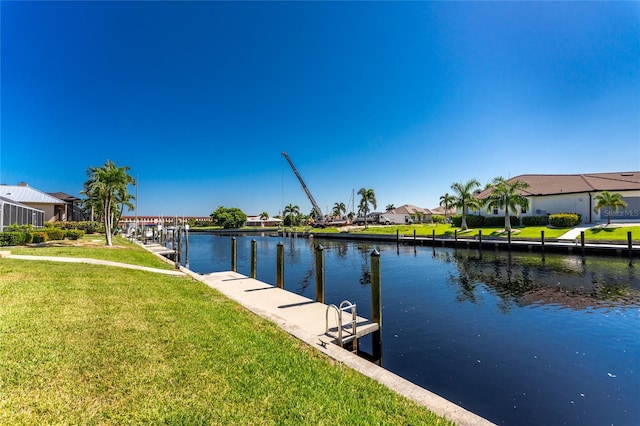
(612, 201)
(339, 208)
(368, 197)
(264, 215)
(107, 192)
(291, 212)
(389, 207)
(463, 197)
(507, 195)
(448, 202)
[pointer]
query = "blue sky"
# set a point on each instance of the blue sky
(199, 99)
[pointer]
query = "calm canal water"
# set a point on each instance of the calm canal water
(514, 339)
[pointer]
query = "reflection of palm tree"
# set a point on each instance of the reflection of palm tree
(612, 201)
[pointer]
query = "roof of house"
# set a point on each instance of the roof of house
(63, 196)
(15, 203)
(25, 194)
(571, 184)
(409, 209)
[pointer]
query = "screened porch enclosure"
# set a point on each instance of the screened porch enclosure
(16, 213)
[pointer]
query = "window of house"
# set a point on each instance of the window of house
(523, 210)
(495, 211)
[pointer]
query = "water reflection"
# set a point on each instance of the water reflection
(521, 280)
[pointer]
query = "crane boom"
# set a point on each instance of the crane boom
(315, 205)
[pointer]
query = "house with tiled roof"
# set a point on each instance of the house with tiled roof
(575, 193)
(406, 213)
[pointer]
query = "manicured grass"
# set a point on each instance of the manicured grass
(613, 233)
(104, 345)
(94, 247)
(529, 232)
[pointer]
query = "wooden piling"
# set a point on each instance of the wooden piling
(582, 242)
(280, 265)
(233, 254)
(254, 258)
(630, 244)
(319, 252)
(376, 289)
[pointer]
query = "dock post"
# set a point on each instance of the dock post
(254, 258)
(433, 237)
(376, 306)
(186, 250)
(480, 239)
(280, 265)
(319, 273)
(582, 242)
(175, 250)
(629, 244)
(414, 237)
(376, 293)
(397, 236)
(455, 234)
(542, 243)
(509, 238)
(233, 254)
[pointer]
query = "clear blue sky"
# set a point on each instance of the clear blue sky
(199, 99)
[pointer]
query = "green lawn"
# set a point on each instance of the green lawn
(529, 232)
(93, 246)
(92, 344)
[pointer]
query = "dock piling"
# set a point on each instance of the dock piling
(254, 258)
(233, 254)
(280, 265)
(319, 252)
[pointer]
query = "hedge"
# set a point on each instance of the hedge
(39, 237)
(564, 220)
(89, 227)
(12, 238)
(535, 220)
(473, 221)
(73, 234)
(499, 221)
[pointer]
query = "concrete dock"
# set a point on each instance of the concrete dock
(283, 306)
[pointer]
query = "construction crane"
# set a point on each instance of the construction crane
(315, 205)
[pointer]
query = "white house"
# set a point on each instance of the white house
(54, 209)
(550, 194)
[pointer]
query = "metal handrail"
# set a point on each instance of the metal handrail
(345, 306)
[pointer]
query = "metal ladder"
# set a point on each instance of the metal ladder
(349, 326)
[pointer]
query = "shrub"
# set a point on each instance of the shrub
(28, 237)
(473, 221)
(73, 234)
(564, 220)
(12, 238)
(38, 237)
(499, 221)
(437, 218)
(54, 233)
(535, 220)
(89, 227)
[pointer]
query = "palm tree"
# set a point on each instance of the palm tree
(507, 195)
(368, 197)
(612, 201)
(448, 202)
(106, 191)
(389, 207)
(463, 197)
(338, 209)
(291, 212)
